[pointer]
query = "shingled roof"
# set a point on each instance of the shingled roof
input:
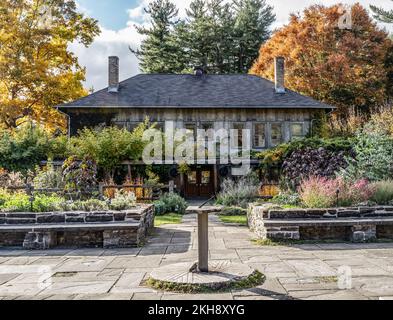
(191, 91)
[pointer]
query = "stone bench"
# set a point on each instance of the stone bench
(348, 224)
(76, 229)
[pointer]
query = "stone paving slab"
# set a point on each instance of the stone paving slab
(304, 272)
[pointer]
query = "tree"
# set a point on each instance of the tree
(37, 71)
(382, 15)
(253, 19)
(220, 36)
(344, 68)
(159, 52)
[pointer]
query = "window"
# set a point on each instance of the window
(259, 136)
(297, 131)
(192, 178)
(276, 134)
(238, 142)
(192, 128)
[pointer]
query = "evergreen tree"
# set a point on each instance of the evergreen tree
(159, 52)
(383, 15)
(221, 37)
(253, 19)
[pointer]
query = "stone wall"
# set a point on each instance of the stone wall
(357, 224)
(108, 229)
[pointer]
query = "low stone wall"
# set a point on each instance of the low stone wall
(108, 229)
(356, 224)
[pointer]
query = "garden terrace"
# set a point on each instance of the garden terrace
(107, 229)
(357, 224)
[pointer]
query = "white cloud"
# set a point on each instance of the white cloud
(117, 43)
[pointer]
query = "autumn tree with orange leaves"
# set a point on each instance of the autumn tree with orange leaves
(347, 68)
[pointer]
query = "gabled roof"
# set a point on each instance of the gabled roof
(191, 91)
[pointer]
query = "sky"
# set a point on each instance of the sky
(117, 19)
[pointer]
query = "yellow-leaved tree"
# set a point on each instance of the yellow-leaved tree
(37, 71)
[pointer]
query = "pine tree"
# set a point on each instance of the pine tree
(219, 36)
(253, 19)
(159, 52)
(382, 15)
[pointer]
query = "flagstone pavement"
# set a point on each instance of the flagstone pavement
(312, 271)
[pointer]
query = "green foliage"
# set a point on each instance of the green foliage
(221, 37)
(18, 202)
(374, 158)
(239, 193)
(287, 199)
(87, 206)
(123, 201)
(109, 146)
(48, 178)
(24, 148)
(383, 192)
(44, 203)
(4, 197)
(170, 203)
(382, 15)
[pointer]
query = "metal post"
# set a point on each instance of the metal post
(203, 241)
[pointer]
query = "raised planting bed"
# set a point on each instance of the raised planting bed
(106, 229)
(357, 224)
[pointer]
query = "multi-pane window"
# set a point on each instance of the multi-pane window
(259, 135)
(238, 142)
(276, 134)
(297, 131)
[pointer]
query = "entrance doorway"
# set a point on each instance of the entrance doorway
(199, 182)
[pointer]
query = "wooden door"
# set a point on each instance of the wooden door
(200, 183)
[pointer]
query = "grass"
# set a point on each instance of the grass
(242, 220)
(171, 218)
(274, 243)
(254, 280)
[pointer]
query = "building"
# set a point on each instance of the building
(267, 109)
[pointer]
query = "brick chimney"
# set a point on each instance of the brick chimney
(113, 78)
(279, 71)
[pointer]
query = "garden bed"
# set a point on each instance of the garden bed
(357, 224)
(107, 229)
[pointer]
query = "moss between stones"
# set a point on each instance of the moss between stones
(254, 280)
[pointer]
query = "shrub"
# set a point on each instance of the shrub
(170, 203)
(123, 201)
(239, 193)
(317, 192)
(308, 162)
(24, 148)
(48, 178)
(18, 202)
(4, 197)
(287, 198)
(79, 175)
(44, 203)
(383, 192)
(12, 179)
(373, 160)
(88, 205)
(109, 146)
